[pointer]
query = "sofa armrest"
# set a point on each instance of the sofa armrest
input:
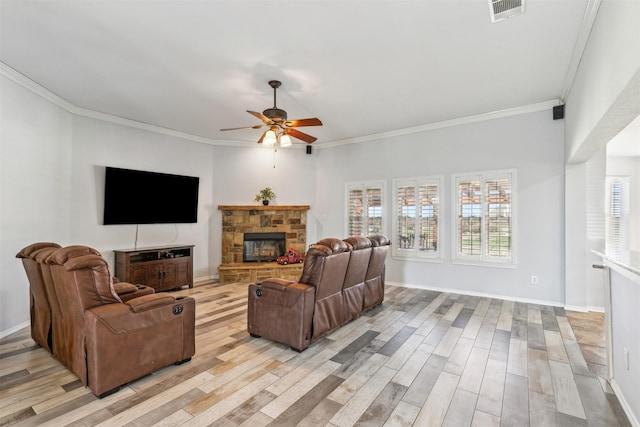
(123, 344)
(276, 284)
(122, 288)
(280, 292)
(149, 302)
(139, 313)
(281, 311)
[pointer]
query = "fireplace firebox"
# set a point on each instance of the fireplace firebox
(263, 247)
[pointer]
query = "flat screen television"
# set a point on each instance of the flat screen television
(141, 197)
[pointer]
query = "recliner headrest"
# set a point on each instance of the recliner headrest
(28, 251)
(85, 261)
(62, 255)
(336, 245)
(358, 242)
(379, 240)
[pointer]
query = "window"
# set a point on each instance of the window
(483, 223)
(617, 216)
(417, 215)
(365, 208)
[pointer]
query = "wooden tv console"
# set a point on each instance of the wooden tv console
(163, 267)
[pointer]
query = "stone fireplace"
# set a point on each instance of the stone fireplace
(238, 221)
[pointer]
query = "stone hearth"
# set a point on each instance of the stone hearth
(237, 220)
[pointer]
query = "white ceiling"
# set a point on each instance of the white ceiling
(362, 67)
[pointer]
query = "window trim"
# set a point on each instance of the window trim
(484, 259)
(414, 254)
(366, 185)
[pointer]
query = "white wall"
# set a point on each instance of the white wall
(531, 143)
(595, 174)
(625, 318)
(35, 160)
(97, 144)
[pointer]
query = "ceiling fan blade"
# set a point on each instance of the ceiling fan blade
(301, 135)
(261, 116)
(261, 138)
(246, 127)
(304, 122)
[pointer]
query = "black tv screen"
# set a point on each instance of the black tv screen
(140, 197)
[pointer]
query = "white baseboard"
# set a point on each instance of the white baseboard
(633, 419)
(477, 294)
(204, 280)
(584, 309)
(578, 308)
(14, 329)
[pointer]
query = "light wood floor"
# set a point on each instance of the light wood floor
(422, 358)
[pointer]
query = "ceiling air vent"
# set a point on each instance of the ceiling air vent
(503, 9)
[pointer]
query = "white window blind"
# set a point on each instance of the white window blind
(484, 222)
(417, 223)
(617, 216)
(365, 208)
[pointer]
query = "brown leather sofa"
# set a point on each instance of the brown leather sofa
(104, 339)
(42, 298)
(340, 280)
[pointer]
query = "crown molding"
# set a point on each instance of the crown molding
(37, 89)
(34, 87)
(588, 19)
(525, 109)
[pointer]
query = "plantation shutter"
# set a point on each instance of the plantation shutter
(617, 216)
(365, 209)
(484, 223)
(469, 217)
(417, 208)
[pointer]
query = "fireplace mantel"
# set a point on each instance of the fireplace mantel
(263, 208)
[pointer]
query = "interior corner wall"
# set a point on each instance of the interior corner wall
(97, 144)
(35, 160)
(606, 84)
(602, 101)
(530, 143)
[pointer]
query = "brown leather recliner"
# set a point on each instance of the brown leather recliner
(297, 313)
(339, 279)
(40, 309)
(107, 342)
(44, 306)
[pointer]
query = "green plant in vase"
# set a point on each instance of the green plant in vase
(265, 195)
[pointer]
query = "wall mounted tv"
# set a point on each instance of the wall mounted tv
(140, 197)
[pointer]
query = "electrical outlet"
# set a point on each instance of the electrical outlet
(626, 358)
(534, 280)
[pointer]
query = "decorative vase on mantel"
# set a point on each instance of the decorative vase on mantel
(265, 202)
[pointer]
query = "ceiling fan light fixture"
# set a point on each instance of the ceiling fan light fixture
(269, 138)
(285, 140)
(281, 130)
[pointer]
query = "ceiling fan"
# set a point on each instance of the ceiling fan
(280, 129)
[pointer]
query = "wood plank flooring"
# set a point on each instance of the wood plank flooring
(422, 358)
